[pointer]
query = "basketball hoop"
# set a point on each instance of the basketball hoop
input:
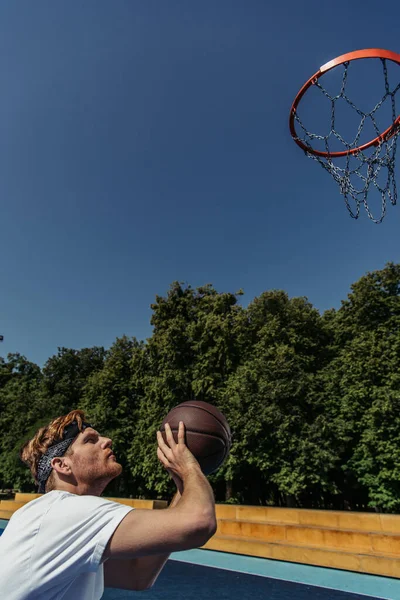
(354, 169)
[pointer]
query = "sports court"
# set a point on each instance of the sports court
(232, 142)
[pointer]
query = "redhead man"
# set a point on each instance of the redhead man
(71, 542)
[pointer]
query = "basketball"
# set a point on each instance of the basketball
(207, 432)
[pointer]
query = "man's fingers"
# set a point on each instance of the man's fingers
(169, 436)
(162, 458)
(171, 454)
(166, 450)
(181, 433)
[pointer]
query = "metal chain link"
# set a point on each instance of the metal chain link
(368, 168)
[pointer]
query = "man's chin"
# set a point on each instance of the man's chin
(117, 468)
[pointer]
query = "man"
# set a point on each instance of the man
(70, 542)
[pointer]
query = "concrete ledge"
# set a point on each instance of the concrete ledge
(321, 537)
(11, 505)
(323, 518)
(26, 497)
(347, 561)
(147, 504)
(22, 499)
(6, 514)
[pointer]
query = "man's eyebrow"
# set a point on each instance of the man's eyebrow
(87, 434)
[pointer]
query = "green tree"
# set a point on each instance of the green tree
(22, 406)
(196, 345)
(110, 401)
(280, 450)
(361, 389)
(66, 373)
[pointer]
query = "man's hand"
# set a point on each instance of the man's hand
(176, 457)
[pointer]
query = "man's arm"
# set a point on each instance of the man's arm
(137, 573)
(188, 525)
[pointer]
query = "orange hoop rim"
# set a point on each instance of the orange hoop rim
(355, 55)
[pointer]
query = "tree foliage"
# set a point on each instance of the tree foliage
(313, 400)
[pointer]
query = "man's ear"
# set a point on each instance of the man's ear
(61, 465)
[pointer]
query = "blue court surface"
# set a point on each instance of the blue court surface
(205, 575)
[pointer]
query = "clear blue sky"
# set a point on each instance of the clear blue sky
(147, 141)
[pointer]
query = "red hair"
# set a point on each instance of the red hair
(32, 451)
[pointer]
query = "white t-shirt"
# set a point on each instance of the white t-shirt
(52, 547)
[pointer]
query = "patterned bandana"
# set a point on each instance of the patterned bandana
(58, 449)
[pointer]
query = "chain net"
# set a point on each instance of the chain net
(357, 173)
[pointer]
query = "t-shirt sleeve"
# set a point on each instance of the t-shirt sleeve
(74, 533)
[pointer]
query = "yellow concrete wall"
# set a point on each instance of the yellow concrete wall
(11, 505)
(21, 499)
(364, 542)
(323, 518)
(320, 537)
(26, 497)
(6, 514)
(150, 504)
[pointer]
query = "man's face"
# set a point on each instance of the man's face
(92, 460)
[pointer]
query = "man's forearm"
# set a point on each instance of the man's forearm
(148, 568)
(175, 499)
(197, 496)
